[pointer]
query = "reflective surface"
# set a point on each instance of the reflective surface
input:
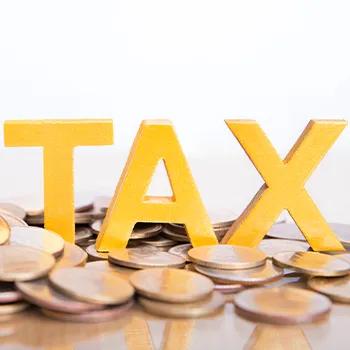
(136, 330)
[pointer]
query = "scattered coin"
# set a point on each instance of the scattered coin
(291, 231)
(345, 257)
(103, 315)
(40, 293)
(171, 285)
(4, 231)
(181, 250)
(106, 266)
(13, 220)
(199, 308)
(158, 241)
(13, 209)
(313, 264)
(227, 256)
(94, 254)
(273, 246)
(228, 288)
(72, 256)
(336, 288)
(8, 293)
(258, 275)
(140, 231)
(178, 237)
(91, 285)
(6, 309)
(144, 257)
(282, 305)
(82, 234)
(19, 263)
(37, 237)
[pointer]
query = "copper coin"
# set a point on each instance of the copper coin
(37, 237)
(94, 254)
(82, 234)
(19, 263)
(40, 293)
(178, 237)
(273, 246)
(144, 257)
(13, 209)
(7, 309)
(91, 285)
(72, 256)
(171, 285)
(291, 231)
(257, 275)
(282, 305)
(106, 314)
(13, 220)
(158, 241)
(181, 250)
(204, 307)
(106, 266)
(313, 264)
(4, 231)
(336, 288)
(227, 256)
(8, 293)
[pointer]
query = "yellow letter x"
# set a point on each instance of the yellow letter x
(284, 187)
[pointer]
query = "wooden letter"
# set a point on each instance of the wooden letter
(155, 141)
(284, 187)
(58, 138)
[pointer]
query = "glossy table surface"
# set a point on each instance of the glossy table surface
(139, 330)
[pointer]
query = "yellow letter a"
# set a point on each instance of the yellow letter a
(284, 187)
(58, 138)
(154, 141)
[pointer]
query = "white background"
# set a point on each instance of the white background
(194, 62)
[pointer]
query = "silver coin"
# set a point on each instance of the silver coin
(158, 241)
(13, 209)
(94, 254)
(40, 293)
(204, 307)
(144, 257)
(82, 234)
(273, 246)
(13, 220)
(167, 232)
(258, 275)
(8, 293)
(181, 250)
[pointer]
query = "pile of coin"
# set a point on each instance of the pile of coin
(74, 282)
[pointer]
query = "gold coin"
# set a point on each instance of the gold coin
(175, 236)
(4, 231)
(19, 263)
(181, 250)
(40, 293)
(106, 266)
(106, 314)
(336, 288)
(273, 246)
(313, 264)
(72, 256)
(13, 209)
(257, 275)
(6, 309)
(204, 307)
(144, 257)
(227, 256)
(171, 285)
(91, 285)
(13, 220)
(158, 241)
(37, 237)
(282, 305)
(94, 254)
